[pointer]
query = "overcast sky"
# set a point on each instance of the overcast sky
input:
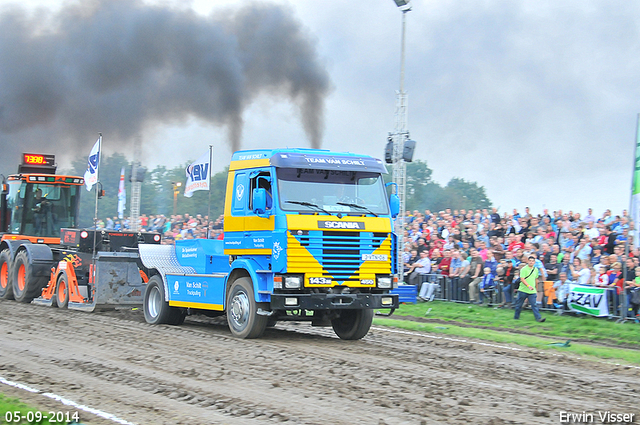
(534, 100)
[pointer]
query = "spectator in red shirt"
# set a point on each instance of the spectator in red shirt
(516, 243)
(445, 264)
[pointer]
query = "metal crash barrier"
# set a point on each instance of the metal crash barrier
(456, 289)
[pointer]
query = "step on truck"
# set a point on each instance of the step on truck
(308, 236)
(44, 258)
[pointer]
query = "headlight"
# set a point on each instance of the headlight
(292, 282)
(384, 282)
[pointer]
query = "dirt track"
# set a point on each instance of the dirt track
(198, 374)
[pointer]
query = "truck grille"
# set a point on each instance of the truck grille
(340, 252)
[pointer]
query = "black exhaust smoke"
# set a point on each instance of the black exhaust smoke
(121, 66)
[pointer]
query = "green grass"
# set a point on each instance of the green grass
(597, 337)
(8, 404)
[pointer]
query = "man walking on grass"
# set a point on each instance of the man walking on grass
(527, 289)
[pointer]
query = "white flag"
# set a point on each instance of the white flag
(198, 175)
(91, 175)
(635, 192)
(122, 195)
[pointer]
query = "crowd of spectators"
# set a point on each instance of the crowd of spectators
(172, 228)
(478, 249)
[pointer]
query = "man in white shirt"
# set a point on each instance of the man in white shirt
(591, 230)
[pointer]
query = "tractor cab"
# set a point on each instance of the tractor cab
(36, 203)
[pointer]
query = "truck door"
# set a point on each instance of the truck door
(259, 226)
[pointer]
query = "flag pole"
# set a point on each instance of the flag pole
(634, 209)
(209, 205)
(95, 216)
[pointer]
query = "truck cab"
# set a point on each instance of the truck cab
(308, 235)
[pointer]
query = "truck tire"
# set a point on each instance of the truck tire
(61, 297)
(26, 286)
(353, 324)
(242, 310)
(6, 289)
(156, 310)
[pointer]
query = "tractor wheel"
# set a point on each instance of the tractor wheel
(61, 297)
(242, 310)
(6, 289)
(156, 310)
(352, 324)
(26, 286)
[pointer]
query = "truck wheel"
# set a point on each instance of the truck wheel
(352, 324)
(6, 289)
(25, 286)
(156, 310)
(242, 310)
(61, 298)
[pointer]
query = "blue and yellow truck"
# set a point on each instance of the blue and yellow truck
(308, 236)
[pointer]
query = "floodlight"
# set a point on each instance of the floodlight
(403, 5)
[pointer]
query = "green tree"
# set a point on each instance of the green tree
(463, 194)
(424, 193)
(110, 168)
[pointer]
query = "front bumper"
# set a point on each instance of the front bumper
(333, 301)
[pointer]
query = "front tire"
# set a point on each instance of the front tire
(156, 310)
(352, 324)
(25, 285)
(242, 310)
(6, 289)
(61, 297)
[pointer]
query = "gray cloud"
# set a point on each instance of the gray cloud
(120, 66)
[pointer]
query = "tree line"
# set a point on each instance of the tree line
(157, 195)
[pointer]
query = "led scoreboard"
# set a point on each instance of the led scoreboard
(37, 163)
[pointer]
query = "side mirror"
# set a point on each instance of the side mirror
(394, 204)
(260, 202)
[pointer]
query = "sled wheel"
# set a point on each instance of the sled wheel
(62, 292)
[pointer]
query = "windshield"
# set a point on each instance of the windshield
(351, 192)
(42, 209)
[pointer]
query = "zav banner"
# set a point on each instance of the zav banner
(198, 175)
(91, 175)
(588, 299)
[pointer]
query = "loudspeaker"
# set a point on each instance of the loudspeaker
(407, 152)
(388, 151)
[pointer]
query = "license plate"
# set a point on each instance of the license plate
(374, 257)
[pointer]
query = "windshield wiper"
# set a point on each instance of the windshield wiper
(346, 204)
(309, 204)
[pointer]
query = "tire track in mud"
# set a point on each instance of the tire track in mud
(198, 373)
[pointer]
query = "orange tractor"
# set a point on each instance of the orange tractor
(43, 256)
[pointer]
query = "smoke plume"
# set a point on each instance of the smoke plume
(121, 66)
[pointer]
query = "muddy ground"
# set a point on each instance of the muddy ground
(198, 374)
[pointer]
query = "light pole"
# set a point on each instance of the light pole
(400, 136)
(176, 190)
